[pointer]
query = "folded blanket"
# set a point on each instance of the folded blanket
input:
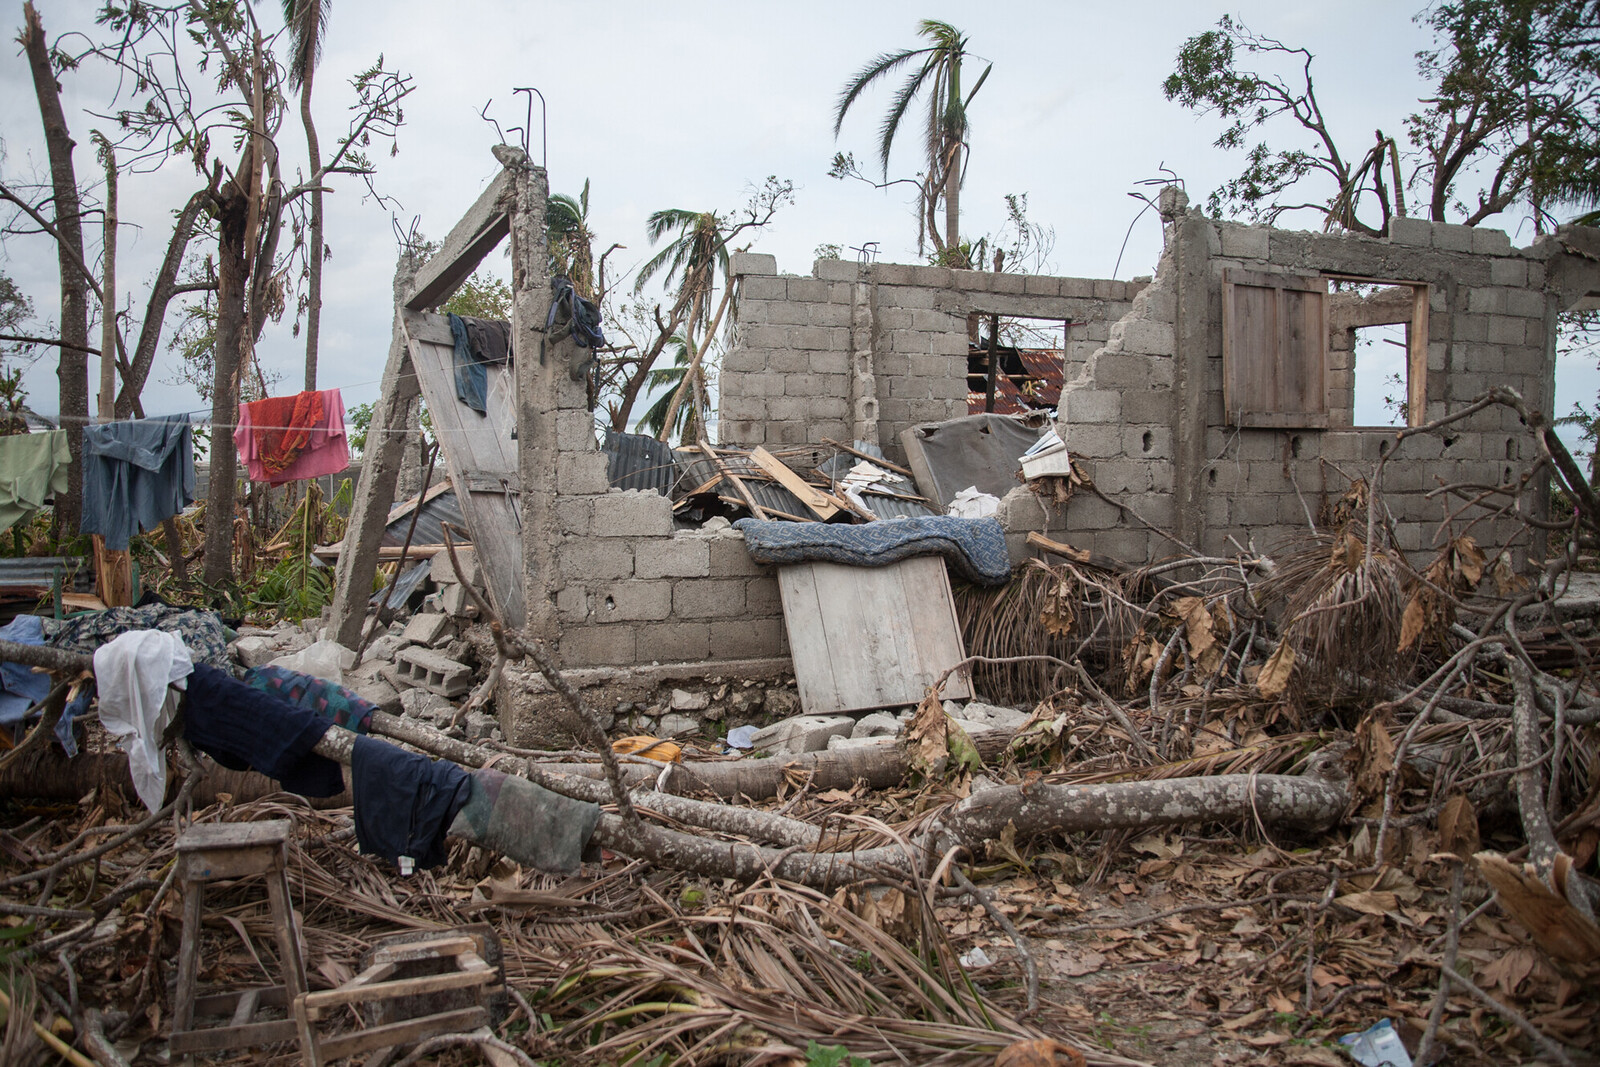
(975, 548)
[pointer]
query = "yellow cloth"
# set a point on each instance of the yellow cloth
(33, 466)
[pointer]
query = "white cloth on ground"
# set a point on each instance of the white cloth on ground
(132, 674)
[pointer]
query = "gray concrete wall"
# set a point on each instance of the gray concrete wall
(1144, 417)
(865, 351)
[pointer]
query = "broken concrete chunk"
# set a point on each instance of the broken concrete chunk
(674, 724)
(442, 572)
(991, 715)
(683, 700)
(255, 651)
(431, 707)
(391, 674)
(383, 648)
(878, 724)
(481, 725)
(427, 630)
(803, 733)
(456, 601)
(434, 672)
(384, 695)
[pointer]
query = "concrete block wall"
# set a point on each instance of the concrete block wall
(629, 587)
(1123, 416)
(870, 350)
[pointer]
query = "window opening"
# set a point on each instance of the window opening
(1379, 376)
(1030, 356)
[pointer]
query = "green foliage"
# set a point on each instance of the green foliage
(1512, 103)
(358, 420)
(571, 240)
(481, 296)
(828, 251)
(832, 1056)
(295, 589)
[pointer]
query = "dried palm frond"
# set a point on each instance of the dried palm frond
(1342, 602)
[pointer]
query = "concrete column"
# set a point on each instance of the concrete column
(380, 470)
(863, 377)
(1196, 337)
(543, 382)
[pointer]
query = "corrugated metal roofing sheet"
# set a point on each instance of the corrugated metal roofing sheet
(638, 461)
(430, 523)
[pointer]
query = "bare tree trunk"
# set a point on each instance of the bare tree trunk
(314, 252)
(73, 368)
(695, 357)
(952, 204)
(233, 270)
(161, 294)
(106, 408)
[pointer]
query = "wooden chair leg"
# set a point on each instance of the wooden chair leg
(188, 956)
(294, 967)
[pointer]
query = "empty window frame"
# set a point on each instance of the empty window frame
(1378, 330)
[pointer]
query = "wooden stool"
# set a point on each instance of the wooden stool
(215, 852)
(416, 986)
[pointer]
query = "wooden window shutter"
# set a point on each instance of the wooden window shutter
(1275, 349)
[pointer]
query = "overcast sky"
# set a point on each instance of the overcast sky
(689, 104)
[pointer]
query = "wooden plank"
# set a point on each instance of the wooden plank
(808, 644)
(809, 495)
(1417, 358)
(478, 451)
(936, 627)
(317, 1003)
(483, 227)
(221, 1038)
(1274, 346)
(267, 996)
(733, 480)
(409, 951)
(866, 637)
(401, 1033)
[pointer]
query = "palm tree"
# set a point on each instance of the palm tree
(693, 260)
(669, 379)
(307, 21)
(571, 240)
(947, 129)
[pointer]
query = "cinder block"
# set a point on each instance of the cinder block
(593, 560)
(634, 513)
(829, 363)
(437, 674)
(677, 557)
(1506, 330)
(835, 270)
(1529, 303)
(761, 596)
(730, 559)
(597, 646)
(830, 314)
(458, 602)
(1509, 271)
(1451, 237)
(632, 601)
(759, 288)
(1008, 283)
(1093, 441)
(1092, 406)
(972, 281)
(1246, 242)
(1415, 232)
(572, 603)
(572, 515)
(803, 733)
(708, 598)
(1146, 336)
(430, 631)
(580, 473)
(1041, 285)
(807, 289)
(747, 263)
(1486, 241)
(1487, 300)
(674, 642)
(441, 570)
